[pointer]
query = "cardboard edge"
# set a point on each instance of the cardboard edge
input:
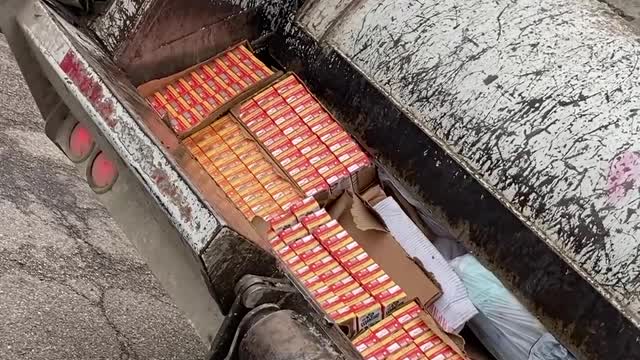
(456, 342)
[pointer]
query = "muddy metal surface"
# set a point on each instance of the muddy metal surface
(71, 285)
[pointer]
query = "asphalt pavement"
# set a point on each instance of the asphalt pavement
(71, 285)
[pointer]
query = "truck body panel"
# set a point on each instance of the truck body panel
(513, 124)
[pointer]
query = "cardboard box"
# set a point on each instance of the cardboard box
(200, 76)
(365, 227)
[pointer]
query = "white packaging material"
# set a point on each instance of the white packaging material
(454, 308)
(443, 240)
(503, 325)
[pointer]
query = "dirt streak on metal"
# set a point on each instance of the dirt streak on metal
(527, 109)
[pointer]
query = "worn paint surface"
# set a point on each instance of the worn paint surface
(537, 99)
(118, 22)
(189, 215)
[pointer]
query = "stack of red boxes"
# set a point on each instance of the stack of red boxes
(403, 336)
(193, 97)
(306, 140)
(240, 168)
(335, 269)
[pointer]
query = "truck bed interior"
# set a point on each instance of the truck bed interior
(161, 38)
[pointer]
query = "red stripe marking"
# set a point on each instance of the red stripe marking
(89, 87)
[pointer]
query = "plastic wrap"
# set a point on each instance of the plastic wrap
(503, 325)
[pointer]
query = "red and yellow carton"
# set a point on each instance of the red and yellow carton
(300, 135)
(313, 254)
(310, 146)
(292, 125)
(344, 283)
(293, 233)
(331, 304)
(285, 115)
(284, 252)
(324, 232)
(321, 293)
(278, 139)
(332, 273)
(305, 206)
(295, 94)
(302, 271)
(311, 115)
(440, 352)
(286, 84)
(416, 328)
(398, 342)
(365, 341)
(303, 102)
(335, 241)
(371, 351)
(407, 313)
(320, 156)
(368, 312)
(312, 183)
(282, 221)
(303, 171)
(266, 96)
(409, 352)
(336, 175)
(377, 281)
(354, 295)
(385, 327)
(311, 282)
(391, 298)
(428, 341)
(346, 250)
(275, 105)
(304, 243)
(285, 150)
(315, 219)
(357, 163)
(326, 262)
(363, 271)
(293, 262)
(345, 318)
(356, 261)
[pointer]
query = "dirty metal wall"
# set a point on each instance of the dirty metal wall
(536, 100)
(539, 99)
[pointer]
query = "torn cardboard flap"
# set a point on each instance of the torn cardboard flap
(366, 228)
(456, 342)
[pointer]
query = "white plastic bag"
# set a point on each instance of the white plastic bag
(503, 325)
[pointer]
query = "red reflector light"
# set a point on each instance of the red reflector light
(103, 172)
(80, 143)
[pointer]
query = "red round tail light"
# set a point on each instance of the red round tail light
(102, 173)
(80, 143)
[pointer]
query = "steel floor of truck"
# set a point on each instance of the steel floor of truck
(71, 285)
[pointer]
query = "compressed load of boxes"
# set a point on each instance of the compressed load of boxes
(242, 170)
(190, 99)
(403, 335)
(352, 288)
(303, 137)
(344, 280)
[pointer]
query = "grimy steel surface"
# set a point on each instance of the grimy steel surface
(72, 56)
(536, 100)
